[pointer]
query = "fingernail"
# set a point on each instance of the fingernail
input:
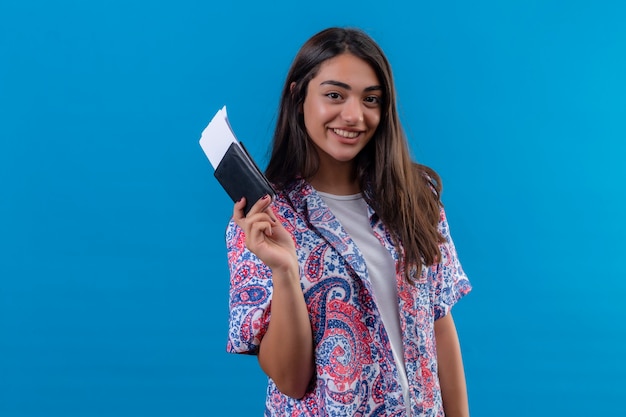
(266, 196)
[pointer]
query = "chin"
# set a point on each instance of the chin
(345, 158)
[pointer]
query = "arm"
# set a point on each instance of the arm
(286, 350)
(450, 363)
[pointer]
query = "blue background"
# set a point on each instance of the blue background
(113, 276)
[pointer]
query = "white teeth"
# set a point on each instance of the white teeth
(346, 134)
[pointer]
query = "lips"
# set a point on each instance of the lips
(346, 133)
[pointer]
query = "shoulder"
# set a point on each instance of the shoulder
(293, 195)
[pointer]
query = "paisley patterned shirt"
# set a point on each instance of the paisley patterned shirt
(356, 373)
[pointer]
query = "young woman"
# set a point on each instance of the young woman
(343, 284)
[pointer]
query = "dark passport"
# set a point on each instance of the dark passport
(241, 177)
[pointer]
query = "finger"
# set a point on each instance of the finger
(269, 210)
(238, 215)
(266, 216)
(259, 232)
(261, 204)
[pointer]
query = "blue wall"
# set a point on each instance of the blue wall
(113, 277)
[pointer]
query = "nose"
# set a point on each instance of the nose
(352, 112)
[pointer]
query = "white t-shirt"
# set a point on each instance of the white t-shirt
(351, 211)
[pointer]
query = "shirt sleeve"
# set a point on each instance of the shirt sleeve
(450, 282)
(249, 296)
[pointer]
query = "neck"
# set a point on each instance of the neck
(340, 180)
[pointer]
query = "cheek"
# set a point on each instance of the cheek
(315, 115)
(374, 120)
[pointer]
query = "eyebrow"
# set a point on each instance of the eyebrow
(347, 87)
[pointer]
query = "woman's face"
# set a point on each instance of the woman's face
(342, 108)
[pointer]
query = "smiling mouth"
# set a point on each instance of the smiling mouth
(346, 134)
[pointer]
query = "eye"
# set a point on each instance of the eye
(333, 95)
(372, 100)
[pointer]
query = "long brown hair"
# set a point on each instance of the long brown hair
(405, 195)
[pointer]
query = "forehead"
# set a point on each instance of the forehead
(348, 69)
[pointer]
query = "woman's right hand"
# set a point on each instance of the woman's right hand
(286, 350)
(265, 235)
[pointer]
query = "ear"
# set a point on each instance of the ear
(292, 86)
